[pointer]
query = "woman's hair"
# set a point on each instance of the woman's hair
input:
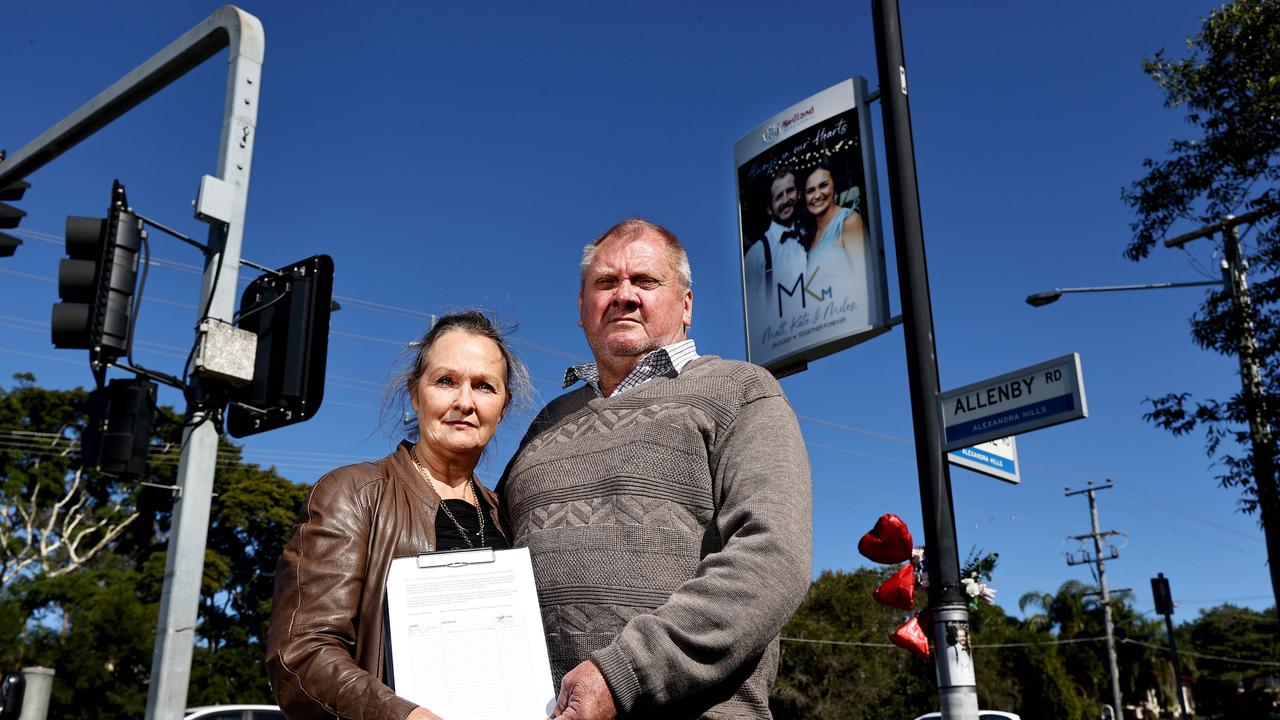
(404, 383)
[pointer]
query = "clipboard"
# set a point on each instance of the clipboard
(464, 635)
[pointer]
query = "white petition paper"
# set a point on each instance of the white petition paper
(466, 635)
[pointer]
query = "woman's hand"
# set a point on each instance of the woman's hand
(421, 713)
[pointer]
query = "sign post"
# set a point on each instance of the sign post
(948, 625)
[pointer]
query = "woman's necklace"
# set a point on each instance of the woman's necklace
(444, 505)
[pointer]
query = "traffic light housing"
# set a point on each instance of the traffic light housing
(96, 281)
(12, 687)
(289, 312)
(1161, 595)
(119, 434)
(10, 216)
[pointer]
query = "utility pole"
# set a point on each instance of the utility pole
(1097, 535)
(1261, 437)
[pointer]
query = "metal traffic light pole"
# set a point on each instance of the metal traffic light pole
(948, 608)
(242, 33)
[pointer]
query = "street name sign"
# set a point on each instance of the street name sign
(1034, 397)
(997, 458)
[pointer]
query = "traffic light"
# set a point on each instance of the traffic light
(289, 312)
(12, 685)
(119, 432)
(1161, 595)
(96, 281)
(10, 216)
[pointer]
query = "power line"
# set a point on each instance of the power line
(855, 429)
(400, 311)
(855, 643)
(1206, 656)
(1153, 500)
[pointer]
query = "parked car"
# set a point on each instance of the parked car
(234, 712)
(982, 715)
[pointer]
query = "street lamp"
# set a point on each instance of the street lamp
(1261, 436)
(1041, 299)
(1260, 432)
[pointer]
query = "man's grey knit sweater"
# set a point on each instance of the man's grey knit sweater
(670, 530)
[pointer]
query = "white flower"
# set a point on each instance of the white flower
(975, 589)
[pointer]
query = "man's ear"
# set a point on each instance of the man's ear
(688, 310)
(580, 310)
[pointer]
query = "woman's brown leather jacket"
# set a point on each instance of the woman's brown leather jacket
(325, 651)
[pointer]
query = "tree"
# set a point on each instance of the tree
(94, 618)
(251, 520)
(836, 661)
(1226, 650)
(1229, 87)
(1075, 611)
(1018, 667)
(53, 518)
(865, 678)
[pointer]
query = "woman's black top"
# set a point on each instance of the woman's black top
(448, 537)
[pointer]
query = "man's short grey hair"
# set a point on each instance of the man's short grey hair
(631, 229)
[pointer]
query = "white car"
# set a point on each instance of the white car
(982, 715)
(234, 712)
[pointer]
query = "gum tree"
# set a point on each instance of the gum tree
(1228, 86)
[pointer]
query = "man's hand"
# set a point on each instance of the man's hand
(584, 695)
(421, 713)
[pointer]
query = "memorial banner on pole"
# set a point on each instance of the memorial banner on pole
(812, 257)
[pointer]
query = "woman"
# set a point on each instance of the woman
(839, 238)
(325, 647)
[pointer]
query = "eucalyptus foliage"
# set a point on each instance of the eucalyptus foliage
(1228, 86)
(94, 620)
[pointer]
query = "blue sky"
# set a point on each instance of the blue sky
(457, 154)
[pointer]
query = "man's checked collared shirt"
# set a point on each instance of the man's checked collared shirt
(669, 360)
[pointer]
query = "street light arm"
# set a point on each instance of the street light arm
(1044, 298)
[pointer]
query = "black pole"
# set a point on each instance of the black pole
(948, 614)
(1164, 605)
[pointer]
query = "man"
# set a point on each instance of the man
(779, 255)
(666, 504)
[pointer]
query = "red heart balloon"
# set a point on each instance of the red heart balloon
(911, 637)
(898, 591)
(888, 542)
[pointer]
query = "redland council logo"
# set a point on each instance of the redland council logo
(773, 130)
(797, 118)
